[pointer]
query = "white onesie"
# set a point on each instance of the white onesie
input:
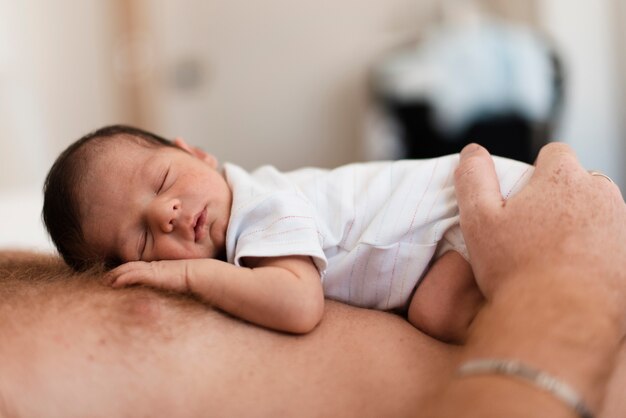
(372, 229)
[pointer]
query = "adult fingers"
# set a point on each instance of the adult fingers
(555, 160)
(558, 163)
(475, 181)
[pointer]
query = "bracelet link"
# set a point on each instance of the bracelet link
(538, 378)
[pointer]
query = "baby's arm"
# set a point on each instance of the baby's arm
(282, 293)
(447, 299)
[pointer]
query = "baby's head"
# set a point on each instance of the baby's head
(123, 194)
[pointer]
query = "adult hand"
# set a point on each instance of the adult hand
(565, 222)
(551, 262)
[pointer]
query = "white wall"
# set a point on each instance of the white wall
(585, 33)
(55, 85)
(283, 82)
(55, 81)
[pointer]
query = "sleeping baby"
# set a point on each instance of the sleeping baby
(268, 246)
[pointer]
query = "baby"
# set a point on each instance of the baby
(268, 246)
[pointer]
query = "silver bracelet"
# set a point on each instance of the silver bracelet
(538, 378)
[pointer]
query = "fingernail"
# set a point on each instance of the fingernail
(469, 148)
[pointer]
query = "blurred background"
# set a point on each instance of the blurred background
(296, 83)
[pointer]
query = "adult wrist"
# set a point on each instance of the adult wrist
(557, 388)
(558, 329)
(569, 289)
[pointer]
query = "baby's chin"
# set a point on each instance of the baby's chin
(209, 252)
(217, 254)
(221, 255)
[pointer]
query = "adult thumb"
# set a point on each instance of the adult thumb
(476, 184)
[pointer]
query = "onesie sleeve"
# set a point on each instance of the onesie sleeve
(270, 217)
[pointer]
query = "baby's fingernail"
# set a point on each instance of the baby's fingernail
(469, 148)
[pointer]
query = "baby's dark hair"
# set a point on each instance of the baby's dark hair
(61, 192)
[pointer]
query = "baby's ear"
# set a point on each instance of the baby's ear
(196, 152)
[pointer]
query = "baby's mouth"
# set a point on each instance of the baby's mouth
(198, 227)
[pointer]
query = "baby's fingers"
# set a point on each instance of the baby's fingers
(127, 274)
(123, 280)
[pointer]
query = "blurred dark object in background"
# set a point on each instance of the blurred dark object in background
(489, 82)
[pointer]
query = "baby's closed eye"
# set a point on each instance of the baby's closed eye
(163, 179)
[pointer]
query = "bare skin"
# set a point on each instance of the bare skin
(447, 300)
(75, 344)
(82, 349)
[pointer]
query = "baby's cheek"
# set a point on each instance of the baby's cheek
(173, 250)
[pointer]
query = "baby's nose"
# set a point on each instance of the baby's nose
(167, 215)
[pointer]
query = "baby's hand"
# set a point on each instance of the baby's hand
(166, 274)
